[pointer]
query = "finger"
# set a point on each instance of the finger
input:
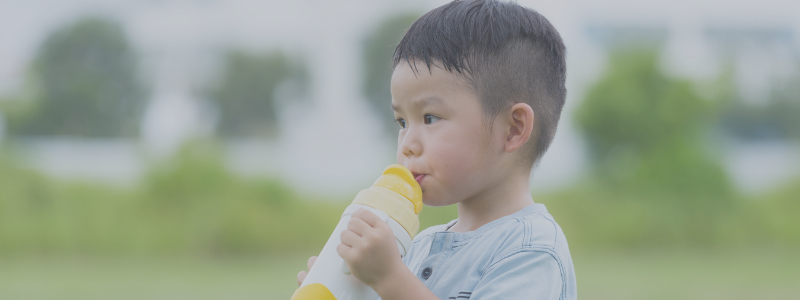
(371, 218)
(358, 226)
(344, 251)
(349, 238)
(301, 277)
(310, 262)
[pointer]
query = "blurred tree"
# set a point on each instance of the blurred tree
(378, 50)
(85, 81)
(645, 129)
(197, 176)
(246, 94)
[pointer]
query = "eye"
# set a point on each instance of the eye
(402, 123)
(429, 119)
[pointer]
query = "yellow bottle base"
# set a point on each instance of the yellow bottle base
(314, 291)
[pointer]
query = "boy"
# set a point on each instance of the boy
(477, 90)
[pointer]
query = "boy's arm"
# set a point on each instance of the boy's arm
(369, 248)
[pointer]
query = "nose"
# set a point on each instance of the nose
(410, 143)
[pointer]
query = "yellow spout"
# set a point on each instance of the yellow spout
(397, 194)
(400, 180)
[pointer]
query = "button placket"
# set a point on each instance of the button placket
(440, 246)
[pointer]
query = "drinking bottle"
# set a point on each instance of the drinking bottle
(396, 198)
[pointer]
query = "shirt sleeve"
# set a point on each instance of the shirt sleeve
(524, 274)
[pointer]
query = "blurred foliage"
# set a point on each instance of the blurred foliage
(654, 185)
(378, 51)
(249, 89)
(594, 216)
(2, 123)
(430, 216)
(646, 133)
(190, 206)
(635, 106)
(83, 82)
(775, 118)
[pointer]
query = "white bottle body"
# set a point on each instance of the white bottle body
(330, 269)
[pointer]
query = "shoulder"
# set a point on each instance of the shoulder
(532, 246)
(540, 229)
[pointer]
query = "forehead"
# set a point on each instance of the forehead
(434, 86)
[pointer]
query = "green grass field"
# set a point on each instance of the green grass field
(638, 275)
(688, 275)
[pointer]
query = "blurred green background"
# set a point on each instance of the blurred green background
(655, 213)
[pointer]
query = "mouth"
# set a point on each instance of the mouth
(418, 177)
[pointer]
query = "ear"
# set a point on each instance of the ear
(520, 122)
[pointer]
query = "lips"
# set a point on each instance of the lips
(418, 177)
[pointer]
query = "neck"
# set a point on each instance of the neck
(499, 201)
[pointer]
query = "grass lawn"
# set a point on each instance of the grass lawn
(688, 275)
(638, 275)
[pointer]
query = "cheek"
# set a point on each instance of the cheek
(458, 156)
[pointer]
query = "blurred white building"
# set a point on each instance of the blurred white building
(334, 145)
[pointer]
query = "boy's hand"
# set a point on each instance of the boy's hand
(302, 275)
(369, 248)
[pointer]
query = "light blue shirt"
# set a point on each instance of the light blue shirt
(520, 256)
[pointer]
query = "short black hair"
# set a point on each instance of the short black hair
(508, 53)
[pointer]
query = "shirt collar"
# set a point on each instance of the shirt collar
(460, 236)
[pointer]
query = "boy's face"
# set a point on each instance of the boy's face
(443, 139)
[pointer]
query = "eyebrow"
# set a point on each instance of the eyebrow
(422, 103)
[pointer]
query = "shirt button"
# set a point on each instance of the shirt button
(426, 273)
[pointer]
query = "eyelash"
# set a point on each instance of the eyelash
(428, 119)
(429, 116)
